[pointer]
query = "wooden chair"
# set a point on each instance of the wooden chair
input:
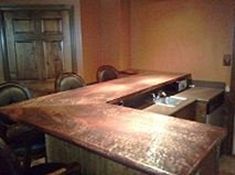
(67, 81)
(10, 165)
(106, 72)
(23, 139)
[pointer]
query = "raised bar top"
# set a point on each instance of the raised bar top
(151, 143)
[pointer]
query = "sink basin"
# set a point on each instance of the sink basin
(169, 101)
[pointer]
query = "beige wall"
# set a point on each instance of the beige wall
(105, 33)
(115, 33)
(182, 36)
(91, 37)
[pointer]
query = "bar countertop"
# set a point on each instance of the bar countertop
(148, 142)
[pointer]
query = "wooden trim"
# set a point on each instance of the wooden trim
(232, 81)
(72, 38)
(3, 49)
(35, 7)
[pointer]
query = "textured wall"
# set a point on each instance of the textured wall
(105, 33)
(115, 32)
(91, 37)
(182, 36)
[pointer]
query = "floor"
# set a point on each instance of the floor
(227, 165)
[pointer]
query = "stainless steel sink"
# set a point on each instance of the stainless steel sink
(171, 101)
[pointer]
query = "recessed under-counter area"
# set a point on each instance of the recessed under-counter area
(184, 110)
(208, 100)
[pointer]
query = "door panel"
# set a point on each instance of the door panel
(51, 27)
(27, 62)
(54, 58)
(23, 25)
(69, 63)
(21, 45)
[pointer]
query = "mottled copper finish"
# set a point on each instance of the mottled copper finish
(151, 143)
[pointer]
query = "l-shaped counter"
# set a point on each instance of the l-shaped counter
(147, 142)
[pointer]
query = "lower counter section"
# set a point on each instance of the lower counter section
(93, 164)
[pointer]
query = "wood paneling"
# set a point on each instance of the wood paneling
(91, 164)
(23, 25)
(38, 43)
(53, 58)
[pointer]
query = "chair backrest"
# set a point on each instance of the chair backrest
(106, 72)
(67, 81)
(8, 161)
(11, 92)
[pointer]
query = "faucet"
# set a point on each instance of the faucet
(159, 95)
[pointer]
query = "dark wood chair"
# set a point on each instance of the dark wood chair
(25, 140)
(10, 165)
(106, 72)
(12, 92)
(68, 81)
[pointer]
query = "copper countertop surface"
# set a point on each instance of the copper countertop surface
(151, 143)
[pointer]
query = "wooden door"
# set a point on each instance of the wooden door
(38, 43)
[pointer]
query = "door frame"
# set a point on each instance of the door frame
(232, 80)
(3, 47)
